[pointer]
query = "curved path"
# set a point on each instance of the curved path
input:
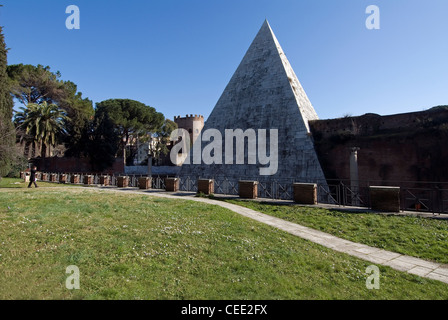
(422, 268)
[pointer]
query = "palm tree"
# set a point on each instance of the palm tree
(43, 123)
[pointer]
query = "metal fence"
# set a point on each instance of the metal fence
(157, 182)
(414, 196)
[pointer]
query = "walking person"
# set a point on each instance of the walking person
(33, 177)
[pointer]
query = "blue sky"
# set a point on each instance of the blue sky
(178, 55)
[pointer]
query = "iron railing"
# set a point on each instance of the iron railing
(414, 196)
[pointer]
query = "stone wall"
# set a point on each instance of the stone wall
(137, 170)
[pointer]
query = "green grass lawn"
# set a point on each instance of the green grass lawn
(414, 236)
(138, 247)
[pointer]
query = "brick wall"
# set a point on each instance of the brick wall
(402, 147)
(74, 165)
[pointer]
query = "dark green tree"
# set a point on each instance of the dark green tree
(38, 84)
(102, 141)
(44, 123)
(163, 139)
(133, 120)
(7, 133)
(80, 112)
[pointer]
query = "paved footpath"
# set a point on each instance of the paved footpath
(394, 260)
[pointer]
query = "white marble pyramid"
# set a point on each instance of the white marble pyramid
(264, 93)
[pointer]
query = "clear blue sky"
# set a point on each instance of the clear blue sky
(178, 55)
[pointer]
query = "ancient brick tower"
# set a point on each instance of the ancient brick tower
(264, 93)
(193, 124)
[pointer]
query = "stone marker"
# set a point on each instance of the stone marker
(305, 193)
(385, 198)
(123, 182)
(25, 176)
(88, 179)
(63, 178)
(248, 189)
(172, 184)
(104, 180)
(206, 186)
(144, 183)
(75, 179)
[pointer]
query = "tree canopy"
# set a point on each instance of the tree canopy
(163, 135)
(101, 142)
(7, 132)
(132, 119)
(32, 85)
(55, 112)
(45, 123)
(35, 84)
(38, 84)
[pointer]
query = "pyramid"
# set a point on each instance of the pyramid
(264, 93)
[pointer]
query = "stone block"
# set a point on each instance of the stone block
(172, 184)
(305, 193)
(248, 189)
(123, 182)
(75, 179)
(88, 179)
(385, 198)
(104, 180)
(25, 176)
(144, 183)
(45, 177)
(63, 178)
(206, 186)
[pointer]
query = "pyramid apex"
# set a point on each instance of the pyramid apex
(266, 24)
